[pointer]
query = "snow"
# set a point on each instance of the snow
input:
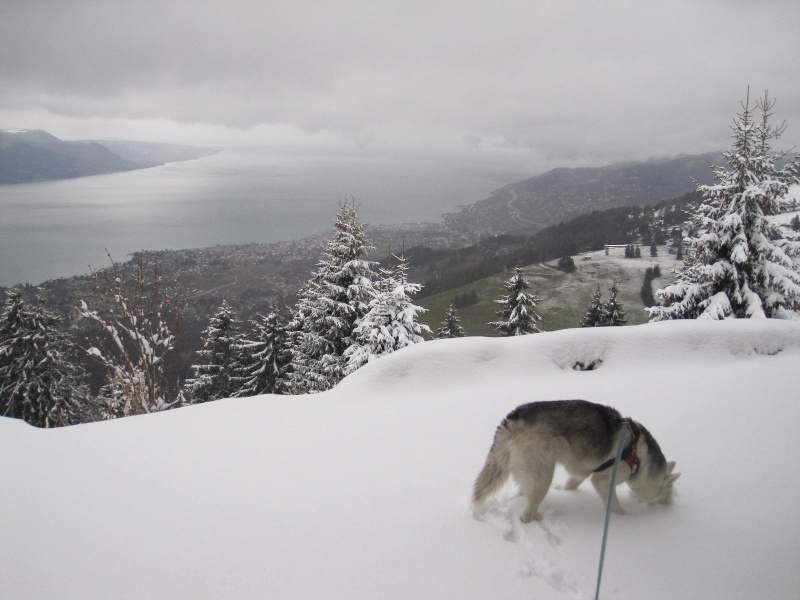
(363, 491)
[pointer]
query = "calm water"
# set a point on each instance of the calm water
(60, 228)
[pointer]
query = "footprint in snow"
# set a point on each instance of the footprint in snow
(534, 540)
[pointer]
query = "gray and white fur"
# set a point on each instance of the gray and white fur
(581, 436)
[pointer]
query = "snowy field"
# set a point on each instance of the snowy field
(363, 492)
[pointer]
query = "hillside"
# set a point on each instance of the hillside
(562, 194)
(443, 270)
(362, 492)
(35, 155)
(563, 297)
(27, 156)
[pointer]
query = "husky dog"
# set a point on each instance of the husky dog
(581, 436)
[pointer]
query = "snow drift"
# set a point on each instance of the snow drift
(362, 491)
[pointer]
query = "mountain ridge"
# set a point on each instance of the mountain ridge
(29, 156)
(530, 205)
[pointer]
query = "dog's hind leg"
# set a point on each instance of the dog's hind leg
(534, 480)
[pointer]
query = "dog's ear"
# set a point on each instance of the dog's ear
(670, 475)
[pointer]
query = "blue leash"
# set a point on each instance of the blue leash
(623, 439)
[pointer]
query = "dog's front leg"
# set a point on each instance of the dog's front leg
(602, 484)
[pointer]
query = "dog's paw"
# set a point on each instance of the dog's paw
(526, 517)
(479, 514)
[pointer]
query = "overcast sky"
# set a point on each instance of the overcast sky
(562, 82)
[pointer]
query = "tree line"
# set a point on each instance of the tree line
(349, 313)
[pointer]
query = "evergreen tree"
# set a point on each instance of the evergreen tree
(742, 265)
(391, 322)
(264, 359)
(596, 313)
(451, 326)
(613, 309)
(518, 312)
(40, 381)
(335, 298)
(646, 292)
(566, 264)
(215, 377)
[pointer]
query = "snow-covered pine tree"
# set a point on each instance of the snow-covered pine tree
(596, 312)
(451, 326)
(215, 375)
(40, 380)
(335, 298)
(742, 265)
(264, 357)
(391, 321)
(613, 309)
(518, 312)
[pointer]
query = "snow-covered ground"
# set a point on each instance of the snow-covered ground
(363, 491)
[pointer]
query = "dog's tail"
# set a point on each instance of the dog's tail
(495, 471)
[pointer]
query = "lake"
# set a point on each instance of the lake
(61, 228)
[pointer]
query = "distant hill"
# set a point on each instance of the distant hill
(152, 154)
(35, 155)
(559, 195)
(27, 156)
(441, 270)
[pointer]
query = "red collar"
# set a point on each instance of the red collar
(629, 455)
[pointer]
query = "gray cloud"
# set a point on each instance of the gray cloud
(563, 81)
